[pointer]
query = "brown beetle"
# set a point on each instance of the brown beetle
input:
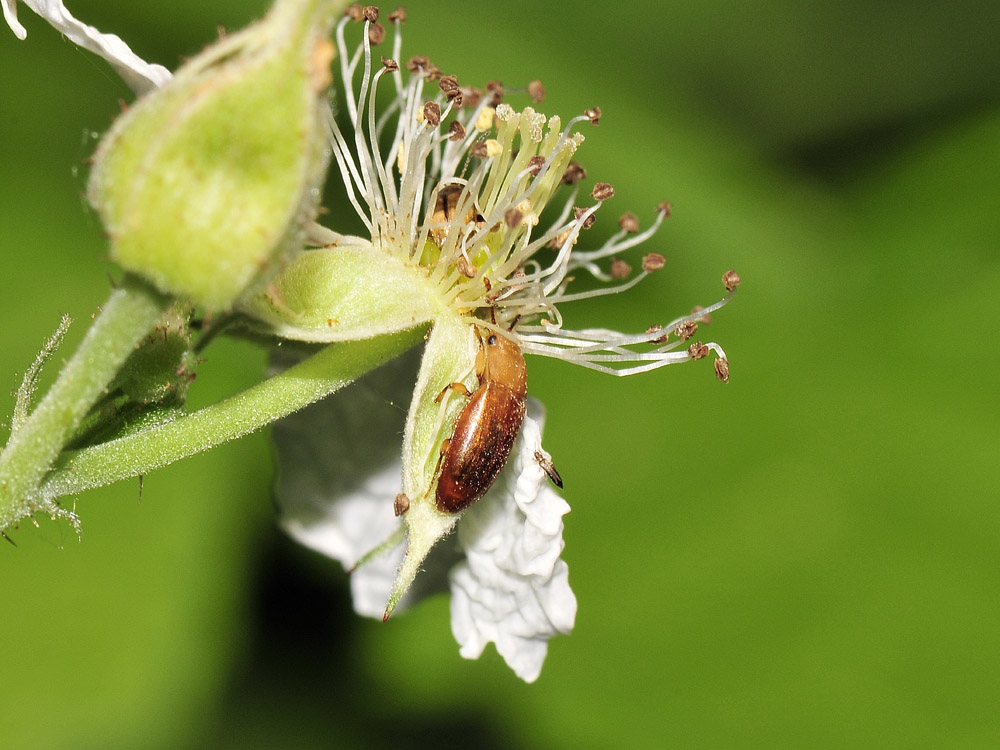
(486, 429)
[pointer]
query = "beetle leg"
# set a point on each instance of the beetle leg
(549, 469)
(457, 387)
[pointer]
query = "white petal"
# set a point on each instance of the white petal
(513, 589)
(138, 74)
(339, 472)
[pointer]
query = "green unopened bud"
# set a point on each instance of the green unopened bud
(203, 182)
(161, 369)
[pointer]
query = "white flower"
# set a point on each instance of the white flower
(455, 242)
(453, 212)
(138, 74)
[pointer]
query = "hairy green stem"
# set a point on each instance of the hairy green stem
(323, 373)
(129, 314)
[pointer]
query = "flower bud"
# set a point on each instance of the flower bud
(203, 182)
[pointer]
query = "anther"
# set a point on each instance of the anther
(573, 174)
(686, 330)
(535, 164)
(536, 91)
(560, 239)
(653, 262)
(722, 369)
(620, 269)
(664, 208)
(602, 191)
(370, 13)
(495, 89)
(391, 65)
(432, 114)
(355, 12)
(704, 319)
(456, 131)
(629, 223)
(659, 339)
(417, 62)
(594, 115)
(512, 218)
(376, 34)
(449, 85)
(698, 351)
(398, 15)
(731, 279)
(478, 150)
(401, 504)
(465, 267)
(473, 96)
(589, 221)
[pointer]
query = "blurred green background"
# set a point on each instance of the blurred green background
(805, 558)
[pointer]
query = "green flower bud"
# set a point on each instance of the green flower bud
(161, 369)
(203, 182)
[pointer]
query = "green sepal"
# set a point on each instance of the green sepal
(342, 294)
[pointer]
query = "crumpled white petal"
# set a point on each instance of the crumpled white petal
(513, 589)
(138, 74)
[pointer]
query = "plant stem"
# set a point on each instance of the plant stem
(129, 314)
(323, 373)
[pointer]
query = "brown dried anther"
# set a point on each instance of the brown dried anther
(629, 223)
(602, 191)
(665, 208)
(479, 150)
(653, 262)
(390, 65)
(731, 279)
(417, 62)
(465, 267)
(370, 13)
(456, 131)
(620, 269)
(560, 239)
(495, 89)
(686, 330)
(473, 96)
(535, 164)
(355, 12)
(401, 504)
(398, 15)
(376, 34)
(698, 351)
(704, 319)
(513, 218)
(536, 91)
(659, 339)
(589, 221)
(722, 369)
(432, 114)
(573, 174)
(594, 115)
(449, 85)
